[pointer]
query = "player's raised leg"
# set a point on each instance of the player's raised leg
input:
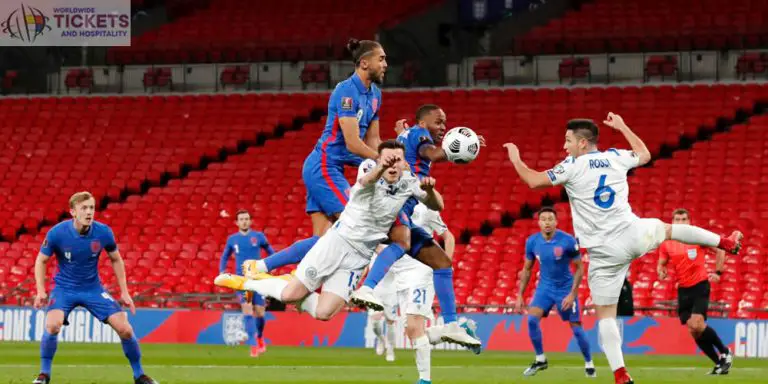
(693, 235)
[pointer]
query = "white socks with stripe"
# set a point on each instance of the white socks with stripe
(423, 348)
(267, 287)
(611, 342)
(309, 305)
(694, 235)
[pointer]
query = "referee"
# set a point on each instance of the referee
(688, 261)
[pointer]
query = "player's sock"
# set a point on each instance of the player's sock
(705, 344)
(391, 335)
(133, 353)
(694, 235)
(443, 279)
(384, 261)
(714, 338)
(378, 328)
(48, 346)
(260, 323)
(534, 331)
(581, 338)
(309, 304)
(250, 329)
(290, 255)
(423, 357)
(267, 287)
(435, 334)
(611, 338)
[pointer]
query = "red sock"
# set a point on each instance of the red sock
(726, 243)
(619, 374)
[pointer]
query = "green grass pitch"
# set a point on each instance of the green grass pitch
(213, 364)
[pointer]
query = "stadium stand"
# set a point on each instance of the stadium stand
(176, 229)
(225, 31)
(651, 25)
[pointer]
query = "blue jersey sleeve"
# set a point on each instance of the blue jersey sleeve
(225, 256)
(265, 243)
(420, 137)
(48, 243)
(344, 101)
(110, 244)
(529, 254)
(572, 248)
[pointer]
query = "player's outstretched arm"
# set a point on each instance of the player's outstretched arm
(533, 178)
(372, 176)
(351, 131)
(41, 296)
(638, 146)
(118, 265)
(661, 268)
(433, 199)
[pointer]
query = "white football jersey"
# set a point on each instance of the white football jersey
(371, 211)
(428, 219)
(598, 192)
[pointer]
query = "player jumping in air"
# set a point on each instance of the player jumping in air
(337, 261)
(556, 251)
(77, 245)
(420, 152)
(688, 261)
(247, 244)
(351, 134)
(596, 183)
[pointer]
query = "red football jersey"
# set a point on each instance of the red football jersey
(687, 260)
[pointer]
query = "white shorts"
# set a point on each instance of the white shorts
(609, 262)
(415, 289)
(390, 303)
(333, 264)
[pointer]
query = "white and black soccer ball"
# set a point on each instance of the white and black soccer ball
(462, 145)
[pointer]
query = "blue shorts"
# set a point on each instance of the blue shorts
(546, 299)
(96, 300)
(327, 188)
(256, 299)
(419, 236)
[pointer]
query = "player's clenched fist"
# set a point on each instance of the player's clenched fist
(41, 298)
(614, 121)
(400, 126)
(428, 183)
(389, 161)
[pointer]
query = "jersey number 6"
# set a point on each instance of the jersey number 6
(603, 189)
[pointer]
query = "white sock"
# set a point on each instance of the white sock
(309, 305)
(261, 266)
(378, 328)
(435, 334)
(694, 235)
(268, 287)
(611, 342)
(423, 357)
(391, 335)
(541, 358)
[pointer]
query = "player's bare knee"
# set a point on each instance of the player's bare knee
(53, 328)
(259, 311)
(696, 324)
(324, 314)
(575, 324)
(401, 235)
(667, 231)
(123, 329)
(247, 309)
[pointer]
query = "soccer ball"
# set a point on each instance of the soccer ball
(462, 145)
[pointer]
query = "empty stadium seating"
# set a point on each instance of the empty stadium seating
(651, 25)
(108, 145)
(174, 234)
(283, 30)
